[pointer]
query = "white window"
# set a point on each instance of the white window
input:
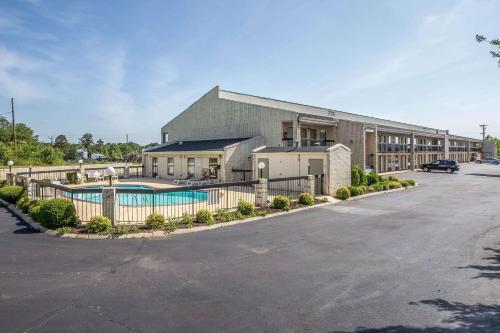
(170, 166)
(164, 138)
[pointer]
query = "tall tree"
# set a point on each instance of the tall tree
(61, 142)
(100, 145)
(495, 53)
(87, 140)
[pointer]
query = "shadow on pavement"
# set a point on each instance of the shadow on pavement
(463, 318)
(482, 175)
(492, 269)
(24, 229)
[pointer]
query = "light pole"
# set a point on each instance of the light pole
(261, 167)
(111, 172)
(80, 162)
(10, 164)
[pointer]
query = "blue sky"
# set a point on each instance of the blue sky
(118, 67)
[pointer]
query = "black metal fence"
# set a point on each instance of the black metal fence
(134, 205)
(87, 201)
(289, 186)
(242, 174)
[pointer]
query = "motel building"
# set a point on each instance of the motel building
(223, 134)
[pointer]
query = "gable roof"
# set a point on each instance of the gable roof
(195, 145)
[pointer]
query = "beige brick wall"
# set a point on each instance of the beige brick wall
(348, 131)
(340, 168)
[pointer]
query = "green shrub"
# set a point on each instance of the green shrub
(363, 181)
(411, 182)
(282, 202)
(72, 177)
(172, 224)
(363, 188)
(355, 179)
(385, 186)
(34, 209)
(392, 179)
(223, 215)
(404, 183)
(56, 213)
(204, 216)
(64, 230)
(237, 216)
(343, 193)
(12, 194)
(155, 221)
(23, 204)
(261, 212)
(187, 220)
(324, 199)
(353, 191)
(98, 225)
(306, 199)
(394, 184)
(373, 178)
(375, 187)
(122, 230)
(245, 208)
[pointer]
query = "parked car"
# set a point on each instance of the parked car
(449, 166)
(491, 160)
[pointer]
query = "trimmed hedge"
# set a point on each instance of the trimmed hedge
(204, 216)
(57, 213)
(306, 199)
(12, 194)
(343, 193)
(72, 177)
(98, 225)
(282, 202)
(155, 221)
(23, 204)
(245, 208)
(34, 209)
(373, 178)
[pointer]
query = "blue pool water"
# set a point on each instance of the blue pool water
(145, 199)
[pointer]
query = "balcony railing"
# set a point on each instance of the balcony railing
(428, 148)
(458, 148)
(475, 149)
(394, 148)
(309, 142)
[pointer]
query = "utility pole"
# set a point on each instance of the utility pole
(126, 138)
(483, 132)
(13, 122)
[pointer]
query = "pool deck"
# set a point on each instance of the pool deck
(151, 182)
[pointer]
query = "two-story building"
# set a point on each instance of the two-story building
(247, 122)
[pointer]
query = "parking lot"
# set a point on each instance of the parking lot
(420, 260)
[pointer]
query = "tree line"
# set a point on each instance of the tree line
(30, 150)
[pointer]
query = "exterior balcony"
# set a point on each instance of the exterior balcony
(394, 148)
(428, 148)
(458, 149)
(289, 142)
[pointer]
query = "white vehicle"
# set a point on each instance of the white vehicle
(491, 160)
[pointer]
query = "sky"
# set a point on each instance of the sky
(121, 67)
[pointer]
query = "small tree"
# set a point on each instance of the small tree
(495, 53)
(87, 140)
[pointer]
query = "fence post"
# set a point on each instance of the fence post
(310, 188)
(27, 186)
(126, 172)
(109, 203)
(261, 193)
(9, 176)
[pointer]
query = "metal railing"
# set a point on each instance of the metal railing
(428, 148)
(290, 187)
(458, 148)
(48, 175)
(87, 201)
(394, 148)
(135, 205)
(309, 142)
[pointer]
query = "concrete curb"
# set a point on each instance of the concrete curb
(26, 219)
(163, 234)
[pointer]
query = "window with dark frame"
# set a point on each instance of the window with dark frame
(213, 166)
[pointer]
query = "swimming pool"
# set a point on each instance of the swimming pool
(144, 199)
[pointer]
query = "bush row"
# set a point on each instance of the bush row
(362, 183)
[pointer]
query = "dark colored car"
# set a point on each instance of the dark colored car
(449, 166)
